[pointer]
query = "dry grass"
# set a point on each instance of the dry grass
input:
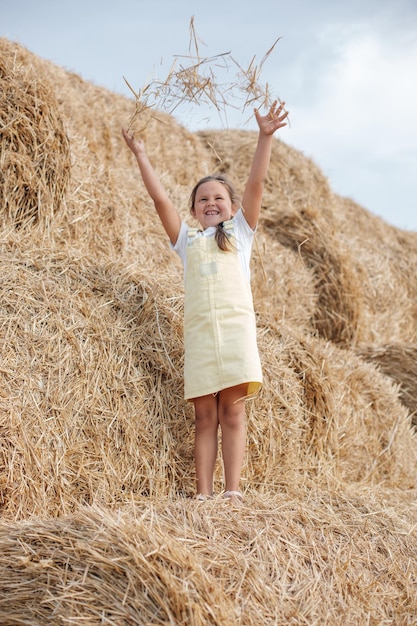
(96, 468)
(35, 152)
(323, 557)
(400, 363)
(197, 80)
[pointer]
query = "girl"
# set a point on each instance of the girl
(222, 367)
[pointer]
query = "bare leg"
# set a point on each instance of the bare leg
(206, 441)
(232, 423)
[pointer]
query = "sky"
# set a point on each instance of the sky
(346, 69)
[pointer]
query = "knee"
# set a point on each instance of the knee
(232, 415)
(205, 418)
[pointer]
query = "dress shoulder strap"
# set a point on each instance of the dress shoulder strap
(228, 226)
(191, 234)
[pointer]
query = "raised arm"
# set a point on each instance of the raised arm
(169, 217)
(252, 196)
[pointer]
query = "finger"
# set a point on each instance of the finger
(280, 108)
(273, 107)
(275, 111)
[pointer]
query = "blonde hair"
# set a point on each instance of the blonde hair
(221, 237)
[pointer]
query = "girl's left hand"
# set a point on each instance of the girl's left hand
(273, 120)
(136, 145)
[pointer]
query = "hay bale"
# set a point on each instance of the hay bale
(338, 310)
(325, 413)
(98, 351)
(34, 147)
(385, 258)
(307, 555)
(104, 568)
(399, 362)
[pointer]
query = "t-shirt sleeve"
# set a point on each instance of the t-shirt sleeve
(244, 239)
(242, 224)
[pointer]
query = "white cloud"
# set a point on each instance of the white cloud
(365, 98)
(359, 124)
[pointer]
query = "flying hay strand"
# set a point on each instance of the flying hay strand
(196, 81)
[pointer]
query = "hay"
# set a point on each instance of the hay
(105, 569)
(325, 557)
(385, 260)
(338, 307)
(98, 349)
(96, 441)
(399, 362)
(35, 153)
(326, 413)
(197, 82)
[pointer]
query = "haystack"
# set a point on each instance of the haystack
(35, 153)
(399, 362)
(96, 449)
(318, 557)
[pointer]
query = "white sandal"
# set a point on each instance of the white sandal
(231, 495)
(201, 497)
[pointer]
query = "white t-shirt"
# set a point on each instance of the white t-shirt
(244, 239)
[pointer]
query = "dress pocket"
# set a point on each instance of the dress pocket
(206, 269)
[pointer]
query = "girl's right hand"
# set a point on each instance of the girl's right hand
(274, 119)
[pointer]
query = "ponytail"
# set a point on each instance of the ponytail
(222, 238)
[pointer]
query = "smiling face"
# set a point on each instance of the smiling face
(212, 204)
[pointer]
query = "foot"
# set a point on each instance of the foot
(202, 497)
(235, 497)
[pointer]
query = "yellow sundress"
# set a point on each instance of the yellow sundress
(219, 321)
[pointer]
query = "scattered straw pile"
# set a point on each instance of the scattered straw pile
(96, 458)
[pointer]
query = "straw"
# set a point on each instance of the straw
(326, 557)
(99, 521)
(35, 154)
(196, 81)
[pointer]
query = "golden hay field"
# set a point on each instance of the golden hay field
(98, 523)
